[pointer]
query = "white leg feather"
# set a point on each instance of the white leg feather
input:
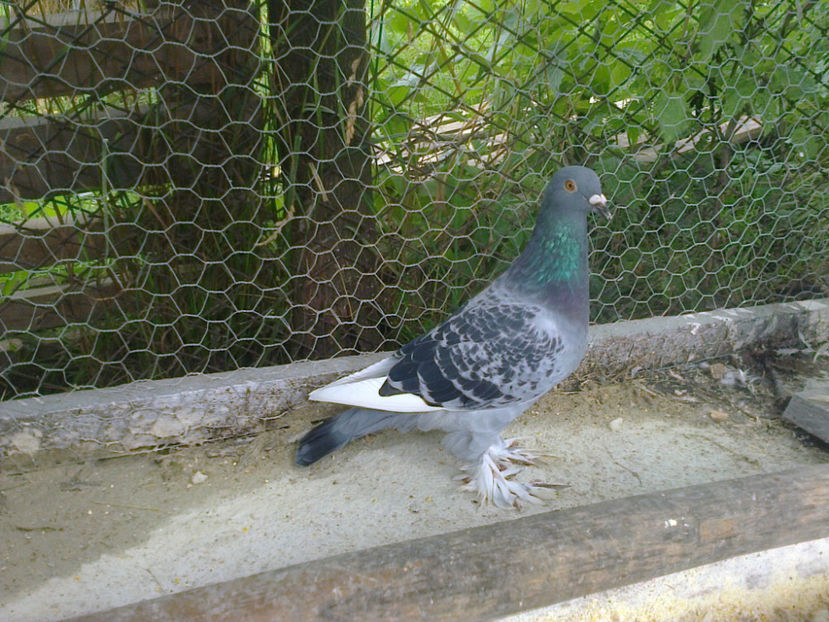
(492, 476)
(510, 452)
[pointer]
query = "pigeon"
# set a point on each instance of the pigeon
(489, 361)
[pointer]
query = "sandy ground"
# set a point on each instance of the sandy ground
(780, 585)
(83, 532)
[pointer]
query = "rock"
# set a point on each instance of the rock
(717, 371)
(718, 415)
(26, 441)
(198, 478)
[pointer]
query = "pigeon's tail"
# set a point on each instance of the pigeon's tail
(349, 425)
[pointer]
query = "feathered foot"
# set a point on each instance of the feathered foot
(492, 477)
(509, 453)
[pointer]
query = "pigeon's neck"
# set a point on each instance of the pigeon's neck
(553, 266)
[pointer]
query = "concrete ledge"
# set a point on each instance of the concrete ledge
(664, 341)
(199, 408)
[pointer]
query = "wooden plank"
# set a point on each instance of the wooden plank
(745, 129)
(809, 410)
(41, 156)
(45, 241)
(149, 144)
(500, 569)
(97, 52)
(54, 305)
(434, 143)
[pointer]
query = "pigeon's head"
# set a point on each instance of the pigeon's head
(577, 188)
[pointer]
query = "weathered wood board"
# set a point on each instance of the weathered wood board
(809, 410)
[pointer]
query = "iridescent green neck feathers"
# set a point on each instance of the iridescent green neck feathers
(555, 257)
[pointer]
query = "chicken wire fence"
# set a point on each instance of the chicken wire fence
(202, 186)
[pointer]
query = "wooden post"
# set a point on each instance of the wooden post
(321, 61)
(189, 250)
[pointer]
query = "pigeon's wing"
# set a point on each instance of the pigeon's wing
(360, 389)
(488, 355)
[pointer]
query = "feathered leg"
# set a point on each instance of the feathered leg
(491, 477)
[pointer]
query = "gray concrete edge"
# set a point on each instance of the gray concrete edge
(202, 407)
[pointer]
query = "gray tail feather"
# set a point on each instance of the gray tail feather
(350, 424)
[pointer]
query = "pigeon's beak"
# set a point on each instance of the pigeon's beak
(599, 204)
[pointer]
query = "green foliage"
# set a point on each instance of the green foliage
(476, 104)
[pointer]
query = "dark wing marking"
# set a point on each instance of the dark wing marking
(487, 355)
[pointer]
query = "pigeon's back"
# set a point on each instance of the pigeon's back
(496, 351)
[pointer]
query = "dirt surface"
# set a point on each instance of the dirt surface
(82, 532)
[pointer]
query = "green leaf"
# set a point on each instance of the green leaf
(664, 12)
(633, 53)
(397, 92)
(581, 8)
(633, 133)
(552, 77)
(600, 84)
(462, 21)
(399, 22)
(716, 24)
(693, 77)
(395, 125)
(671, 113)
(737, 96)
(619, 74)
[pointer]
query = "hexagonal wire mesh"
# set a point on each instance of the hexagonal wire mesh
(201, 186)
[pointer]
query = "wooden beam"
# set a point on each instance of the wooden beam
(119, 149)
(435, 141)
(192, 51)
(54, 305)
(97, 52)
(45, 241)
(809, 410)
(42, 155)
(500, 569)
(745, 130)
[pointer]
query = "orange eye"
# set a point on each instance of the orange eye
(570, 186)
